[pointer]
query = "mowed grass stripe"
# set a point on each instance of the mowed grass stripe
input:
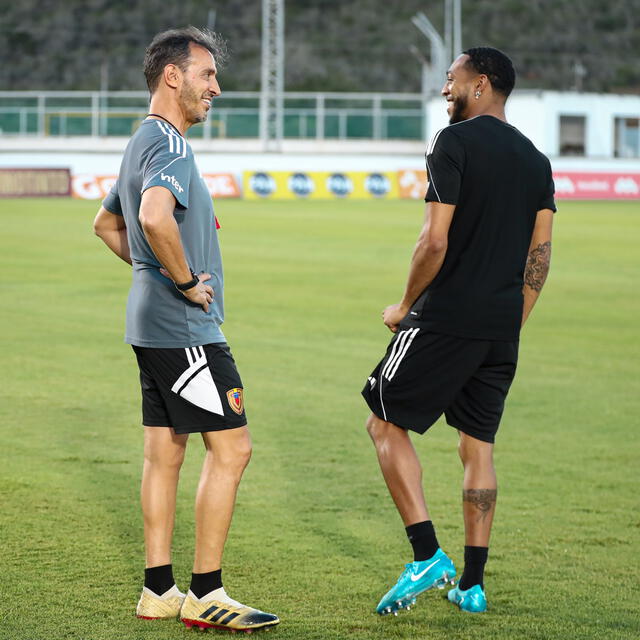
(315, 537)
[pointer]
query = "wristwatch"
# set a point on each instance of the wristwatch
(188, 285)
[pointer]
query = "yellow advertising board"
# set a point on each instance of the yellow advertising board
(319, 185)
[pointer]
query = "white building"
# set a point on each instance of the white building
(569, 125)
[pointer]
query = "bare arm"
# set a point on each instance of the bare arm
(111, 229)
(162, 233)
(538, 260)
(427, 259)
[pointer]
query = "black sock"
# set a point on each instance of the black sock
(159, 579)
(474, 560)
(203, 583)
(422, 537)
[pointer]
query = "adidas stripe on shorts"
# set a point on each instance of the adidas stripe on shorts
(194, 389)
(426, 374)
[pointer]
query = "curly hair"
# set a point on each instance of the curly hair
(495, 65)
(173, 47)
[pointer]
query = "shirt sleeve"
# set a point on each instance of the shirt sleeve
(112, 200)
(169, 166)
(548, 201)
(445, 163)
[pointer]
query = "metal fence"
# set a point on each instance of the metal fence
(319, 116)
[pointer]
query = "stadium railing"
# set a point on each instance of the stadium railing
(236, 115)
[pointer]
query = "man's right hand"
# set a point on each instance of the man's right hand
(201, 294)
(393, 315)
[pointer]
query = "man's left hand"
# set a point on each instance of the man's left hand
(393, 315)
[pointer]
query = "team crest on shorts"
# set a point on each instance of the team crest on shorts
(236, 400)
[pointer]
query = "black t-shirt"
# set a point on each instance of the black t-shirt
(498, 181)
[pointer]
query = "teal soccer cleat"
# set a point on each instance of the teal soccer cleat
(472, 600)
(415, 579)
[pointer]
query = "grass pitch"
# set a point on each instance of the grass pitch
(315, 536)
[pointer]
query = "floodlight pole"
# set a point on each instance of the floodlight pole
(457, 28)
(433, 74)
(448, 28)
(452, 28)
(211, 19)
(438, 58)
(272, 76)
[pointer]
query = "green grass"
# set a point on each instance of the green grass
(315, 536)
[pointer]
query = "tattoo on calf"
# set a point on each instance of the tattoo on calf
(483, 499)
(537, 267)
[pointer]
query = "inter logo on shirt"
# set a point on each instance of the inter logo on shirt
(236, 401)
(173, 181)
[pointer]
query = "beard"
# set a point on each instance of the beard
(459, 107)
(192, 105)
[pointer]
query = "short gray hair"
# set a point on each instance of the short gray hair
(173, 47)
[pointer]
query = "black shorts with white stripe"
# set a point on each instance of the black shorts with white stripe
(426, 374)
(193, 390)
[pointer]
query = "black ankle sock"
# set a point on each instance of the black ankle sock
(422, 537)
(159, 579)
(474, 560)
(203, 583)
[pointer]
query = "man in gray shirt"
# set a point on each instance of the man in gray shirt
(159, 218)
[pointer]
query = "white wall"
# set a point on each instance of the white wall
(108, 162)
(537, 115)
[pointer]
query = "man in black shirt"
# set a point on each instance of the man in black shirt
(478, 267)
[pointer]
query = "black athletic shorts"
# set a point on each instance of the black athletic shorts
(193, 390)
(426, 374)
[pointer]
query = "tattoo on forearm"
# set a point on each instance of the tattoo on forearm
(537, 267)
(484, 500)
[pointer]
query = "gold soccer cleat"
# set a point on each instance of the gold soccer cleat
(154, 607)
(217, 610)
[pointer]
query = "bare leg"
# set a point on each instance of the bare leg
(480, 489)
(163, 457)
(401, 469)
(228, 453)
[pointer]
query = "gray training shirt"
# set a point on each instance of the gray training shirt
(158, 315)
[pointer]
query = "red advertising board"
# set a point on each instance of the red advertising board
(576, 185)
(596, 186)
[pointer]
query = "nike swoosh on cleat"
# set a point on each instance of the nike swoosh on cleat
(417, 576)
